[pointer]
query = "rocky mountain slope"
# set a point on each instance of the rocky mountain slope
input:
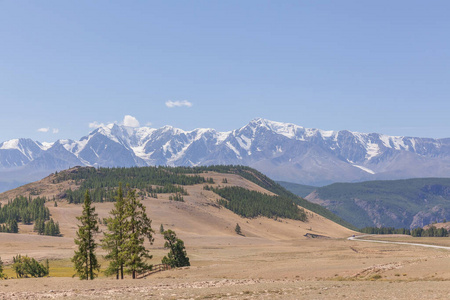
(282, 151)
(394, 203)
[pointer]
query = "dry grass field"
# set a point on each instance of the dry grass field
(273, 260)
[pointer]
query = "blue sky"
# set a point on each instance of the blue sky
(367, 66)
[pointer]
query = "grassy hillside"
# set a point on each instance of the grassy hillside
(102, 183)
(393, 203)
(270, 185)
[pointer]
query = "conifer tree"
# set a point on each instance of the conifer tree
(39, 226)
(177, 256)
(238, 229)
(85, 260)
(25, 266)
(113, 241)
(138, 228)
(13, 226)
(1, 269)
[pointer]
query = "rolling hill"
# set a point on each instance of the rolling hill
(197, 218)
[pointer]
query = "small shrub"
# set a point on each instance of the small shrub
(25, 266)
(376, 277)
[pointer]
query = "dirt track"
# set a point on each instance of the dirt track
(66, 288)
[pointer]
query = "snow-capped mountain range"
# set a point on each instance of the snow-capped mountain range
(282, 151)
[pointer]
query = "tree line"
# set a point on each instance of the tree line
(270, 185)
(47, 228)
(22, 209)
(385, 230)
(128, 227)
(102, 183)
(432, 231)
(251, 204)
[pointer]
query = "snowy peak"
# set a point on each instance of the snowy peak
(284, 151)
(288, 130)
(19, 152)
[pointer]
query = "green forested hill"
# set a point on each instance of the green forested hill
(102, 183)
(298, 189)
(270, 185)
(393, 203)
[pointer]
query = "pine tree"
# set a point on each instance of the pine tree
(57, 231)
(39, 226)
(85, 260)
(51, 228)
(138, 228)
(177, 256)
(161, 229)
(1, 269)
(13, 226)
(238, 229)
(113, 241)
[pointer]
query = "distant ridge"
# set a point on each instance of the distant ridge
(283, 151)
(390, 203)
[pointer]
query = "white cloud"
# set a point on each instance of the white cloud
(95, 124)
(43, 129)
(130, 121)
(171, 103)
(55, 130)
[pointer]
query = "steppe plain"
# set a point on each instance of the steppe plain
(273, 260)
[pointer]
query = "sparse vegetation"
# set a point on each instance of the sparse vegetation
(177, 197)
(376, 277)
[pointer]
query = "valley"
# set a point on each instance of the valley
(200, 150)
(274, 258)
(408, 203)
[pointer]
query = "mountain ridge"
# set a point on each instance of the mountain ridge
(284, 151)
(406, 203)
